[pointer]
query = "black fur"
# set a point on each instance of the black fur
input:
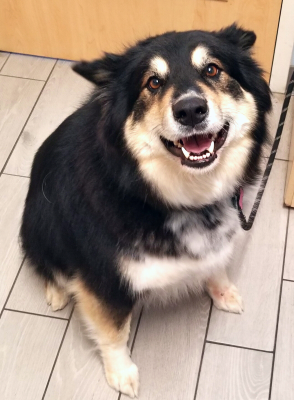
(87, 203)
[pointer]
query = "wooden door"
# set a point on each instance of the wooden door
(76, 29)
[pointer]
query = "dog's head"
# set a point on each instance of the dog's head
(189, 107)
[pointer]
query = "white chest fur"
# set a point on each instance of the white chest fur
(206, 250)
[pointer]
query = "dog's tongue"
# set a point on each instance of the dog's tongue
(196, 143)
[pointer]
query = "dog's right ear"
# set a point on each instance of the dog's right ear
(238, 36)
(102, 71)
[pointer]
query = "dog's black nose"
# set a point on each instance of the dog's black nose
(190, 110)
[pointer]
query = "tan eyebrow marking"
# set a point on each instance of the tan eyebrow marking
(160, 66)
(199, 56)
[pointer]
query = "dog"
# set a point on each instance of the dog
(131, 197)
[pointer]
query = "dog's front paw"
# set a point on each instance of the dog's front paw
(56, 297)
(227, 299)
(124, 380)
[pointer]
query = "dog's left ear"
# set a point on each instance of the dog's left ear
(102, 71)
(238, 36)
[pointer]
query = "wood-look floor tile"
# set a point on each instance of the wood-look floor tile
(168, 349)
(28, 295)
(13, 191)
(17, 99)
(28, 347)
(256, 270)
(230, 373)
(63, 93)
(283, 382)
(24, 66)
(3, 58)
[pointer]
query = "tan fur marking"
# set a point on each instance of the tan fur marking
(141, 137)
(159, 66)
(220, 84)
(101, 76)
(159, 107)
(121, 373)
(213, 95)
(199, 56)
(95, 311)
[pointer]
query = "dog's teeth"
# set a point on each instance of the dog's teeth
(185, 152)
(178, 144)
(207, 155)
(203, 156)
(211, 148)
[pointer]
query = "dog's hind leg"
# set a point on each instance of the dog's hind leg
(110, 328)
(57, 295)
(224, 293)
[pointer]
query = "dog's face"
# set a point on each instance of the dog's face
(192, 103)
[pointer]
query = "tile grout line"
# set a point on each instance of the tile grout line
(134, 339)
(21, 77)
(203, 351)
(136, 331)
(5, 62)
(36, 314)
(29, 116)
(12, 286)
(279, 307)
(276, 159)
(57, 355)
(280, 159)
(20, 176)
(288, 280)
(239, 347)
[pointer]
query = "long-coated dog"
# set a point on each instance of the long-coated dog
(131, 196)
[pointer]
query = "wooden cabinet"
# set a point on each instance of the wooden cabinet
(289, 192)
(75, 29)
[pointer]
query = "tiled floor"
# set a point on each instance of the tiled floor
(187, 352)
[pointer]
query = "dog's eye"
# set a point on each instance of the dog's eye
(154, 83)
(212, 70)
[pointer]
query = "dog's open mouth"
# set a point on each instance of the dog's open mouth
(198, 151)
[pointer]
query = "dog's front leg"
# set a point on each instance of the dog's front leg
(110, 328)
(224, 294)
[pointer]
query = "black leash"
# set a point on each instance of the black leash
(247, 225)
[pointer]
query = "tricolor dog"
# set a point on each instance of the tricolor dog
(131, 196)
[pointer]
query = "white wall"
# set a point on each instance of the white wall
(284, 48)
